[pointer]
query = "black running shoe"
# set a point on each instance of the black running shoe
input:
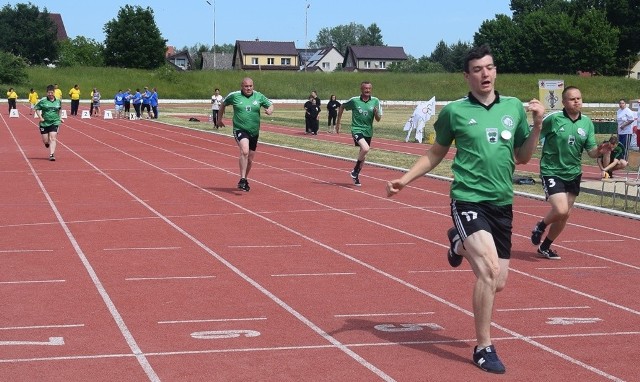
(354, 174)
(548, 253)
(46, 145)
(454, 259)
(536, 234)
(487, 359)
(52, 158)
(356, 181)
(243, 184)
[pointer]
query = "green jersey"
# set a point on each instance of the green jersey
(362, 114)
(485, 139)
(246, 110)
(564, 142)
(50, 111)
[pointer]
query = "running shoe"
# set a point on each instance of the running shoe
(536, 234)
(454, 259)
(46, 145)
(52, 158)
(487, 359)
(354, 174)
(243, 184)
(548, 253)
(356, 181)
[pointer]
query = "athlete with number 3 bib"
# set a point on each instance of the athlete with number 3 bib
(492, 134)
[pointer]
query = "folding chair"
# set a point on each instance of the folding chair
(634, 162)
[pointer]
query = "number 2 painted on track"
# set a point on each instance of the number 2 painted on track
(220, 334)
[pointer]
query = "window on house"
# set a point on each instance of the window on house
(285, 61)
(271, 61)
(254, 60)
(181, 62)
(326, 65)
(382, 63)
(366, 64)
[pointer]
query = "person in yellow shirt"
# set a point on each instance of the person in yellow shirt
(33, 100)
(12, 96)
(57, 92)
(74, 94)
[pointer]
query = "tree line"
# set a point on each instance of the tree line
(542, 36)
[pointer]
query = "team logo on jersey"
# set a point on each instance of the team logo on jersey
(581, 132)
(472, 122)
(508, 122)
(492, 135)
(572, 140)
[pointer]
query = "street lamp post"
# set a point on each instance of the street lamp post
(214, 31)
(306, 41)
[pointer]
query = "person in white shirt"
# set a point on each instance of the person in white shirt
(625, 120)
(216, 101)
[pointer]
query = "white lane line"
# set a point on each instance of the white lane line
(32, 281)
(141, 249)
(382, 314)
(168, 278)
(25, 250)
(266, 246)
(42, 327)
(543, 308)
(377, 244)
(213, 320)
(569, 268)
(115, 314)
(314, 274)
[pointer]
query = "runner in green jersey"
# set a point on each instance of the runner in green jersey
(492, 135)
(365, 109)
(566, 135)
(48, 111)
(246, 124)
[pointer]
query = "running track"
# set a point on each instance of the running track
(134, 257)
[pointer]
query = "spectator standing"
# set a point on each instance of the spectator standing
(246, 105)
(216, 101)
(12, 97)
(33, 100)
(492, 134)
(57, 92)
(311, 116)
(95, 101)
(127, 103)
(332, 112)
(118, 102)
(74, 94)
(625, 118)
(153, 102)
(48, 111)
(137, 102)
(365, 108)
(566, 135)
(146, 102)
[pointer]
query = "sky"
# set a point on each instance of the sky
(415, 25)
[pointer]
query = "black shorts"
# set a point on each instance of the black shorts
(241, 134)
(359, 136)
(497, 220)
(48, 129)
(554, 185)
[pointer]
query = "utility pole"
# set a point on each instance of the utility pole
(214, 31)
(306, 41)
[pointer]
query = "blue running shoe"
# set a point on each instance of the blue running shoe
(487, 359)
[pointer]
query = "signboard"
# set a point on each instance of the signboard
(551, 93)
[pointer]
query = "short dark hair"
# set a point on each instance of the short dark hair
(50, 88)
(567, 89)
(476, 53)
